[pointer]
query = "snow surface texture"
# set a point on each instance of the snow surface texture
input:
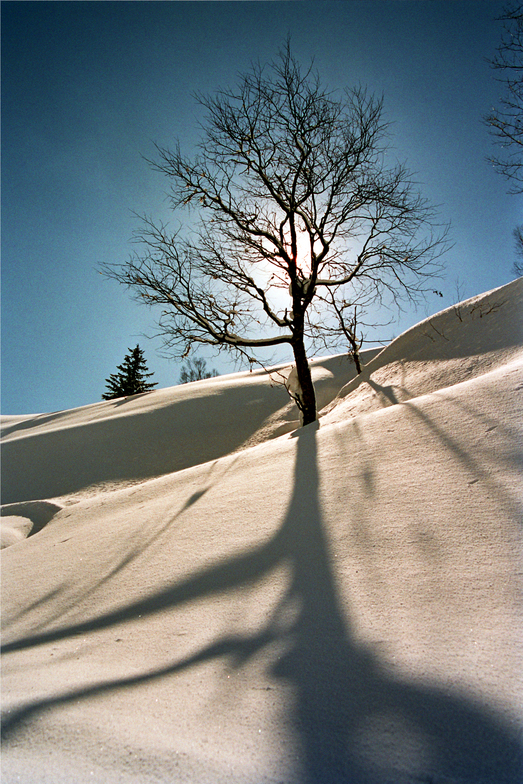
(196, 591)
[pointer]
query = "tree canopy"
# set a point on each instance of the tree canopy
(506, 121)
(195, 369)
(294, 217)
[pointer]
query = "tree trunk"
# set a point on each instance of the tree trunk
(306, 396)
(356, 356)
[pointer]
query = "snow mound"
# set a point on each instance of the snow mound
(337, 604)
(113, 443)
(14, 529)
(18, 521)
(458, 344)
(109, 444)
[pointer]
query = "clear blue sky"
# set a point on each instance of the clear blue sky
(88, 87)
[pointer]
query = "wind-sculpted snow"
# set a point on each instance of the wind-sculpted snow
(116, 442)
(18, 521)
(131, 439)
(455, 345)
(338, 603)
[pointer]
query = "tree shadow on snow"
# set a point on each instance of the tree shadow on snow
(354, 721)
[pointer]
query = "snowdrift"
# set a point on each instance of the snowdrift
(196, 591)
(130, 439)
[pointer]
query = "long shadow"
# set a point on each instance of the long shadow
(128, 551)
(29, 422)
(352, 717)
(354, 721)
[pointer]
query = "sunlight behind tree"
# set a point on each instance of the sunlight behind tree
(296, 197)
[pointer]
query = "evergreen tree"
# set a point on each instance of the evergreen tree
(131, 378)
(303, 217)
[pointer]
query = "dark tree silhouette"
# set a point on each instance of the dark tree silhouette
(131, 378)
(506, 122)
(518, 245)
(195, 370)
(302, 218)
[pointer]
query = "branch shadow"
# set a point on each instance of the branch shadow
(131, 549)
(352, 718)
(29, 422)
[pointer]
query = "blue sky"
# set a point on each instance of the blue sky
(89, 87)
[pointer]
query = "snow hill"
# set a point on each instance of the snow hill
(197, 591)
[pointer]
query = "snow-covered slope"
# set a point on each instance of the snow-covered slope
(455, 345)
(110, 443)
(332, 604)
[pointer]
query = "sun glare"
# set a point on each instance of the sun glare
(272, 276)
(304, 253)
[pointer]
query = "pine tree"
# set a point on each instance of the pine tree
(131, 378)
(294, 177)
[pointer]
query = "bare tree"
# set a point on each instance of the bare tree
(298, 214)
(506, 122)
(195, 369)
(518, 244)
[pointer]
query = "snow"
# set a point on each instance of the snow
(14, 528)
(196, 590)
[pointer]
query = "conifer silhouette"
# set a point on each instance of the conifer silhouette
(131, 378)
